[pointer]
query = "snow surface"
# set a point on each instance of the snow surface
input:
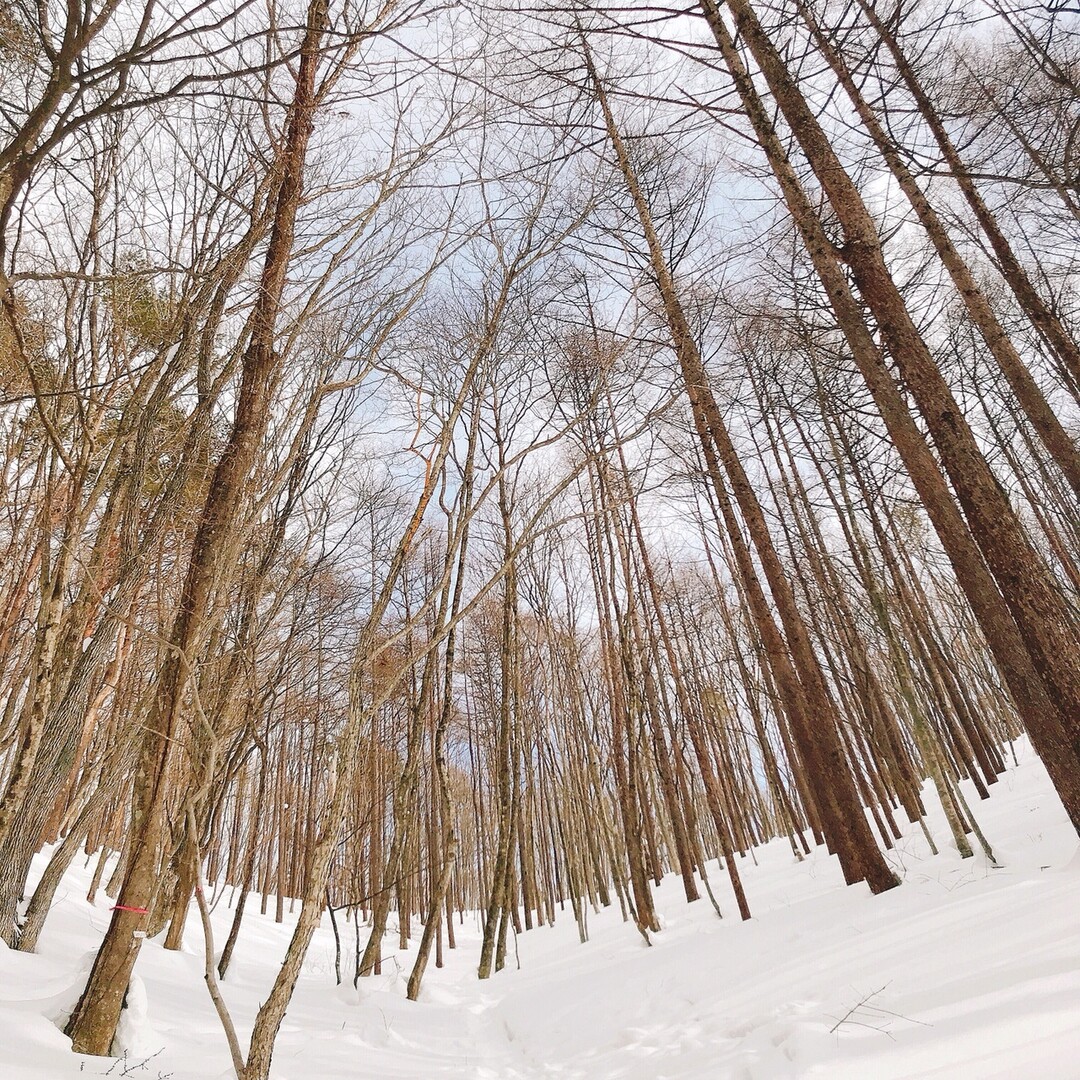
(966, 971)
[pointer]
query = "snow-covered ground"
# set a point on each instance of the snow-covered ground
(966, 971)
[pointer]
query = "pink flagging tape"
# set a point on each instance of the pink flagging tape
(136, 910)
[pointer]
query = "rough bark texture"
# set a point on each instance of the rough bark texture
(92, 1026)
(1020, 611)
(798, 671)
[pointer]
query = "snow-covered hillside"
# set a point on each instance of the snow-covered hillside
(967, 971)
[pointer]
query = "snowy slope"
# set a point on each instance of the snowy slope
(967, 971)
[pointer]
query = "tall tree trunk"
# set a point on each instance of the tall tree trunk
(1037, 651)
(798, 673)
(1042, 418)
(92, 1026)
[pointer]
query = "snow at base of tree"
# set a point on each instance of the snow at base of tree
(967, 972)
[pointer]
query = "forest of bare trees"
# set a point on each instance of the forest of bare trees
(462, 458)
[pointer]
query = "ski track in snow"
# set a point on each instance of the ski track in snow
(966, 971)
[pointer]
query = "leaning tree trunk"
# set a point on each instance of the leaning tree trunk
(1032, 401)
(92, 1026)
(1046, 322)
(798, 673)
(1023, 622)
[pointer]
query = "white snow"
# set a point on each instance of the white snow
(966, 971)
